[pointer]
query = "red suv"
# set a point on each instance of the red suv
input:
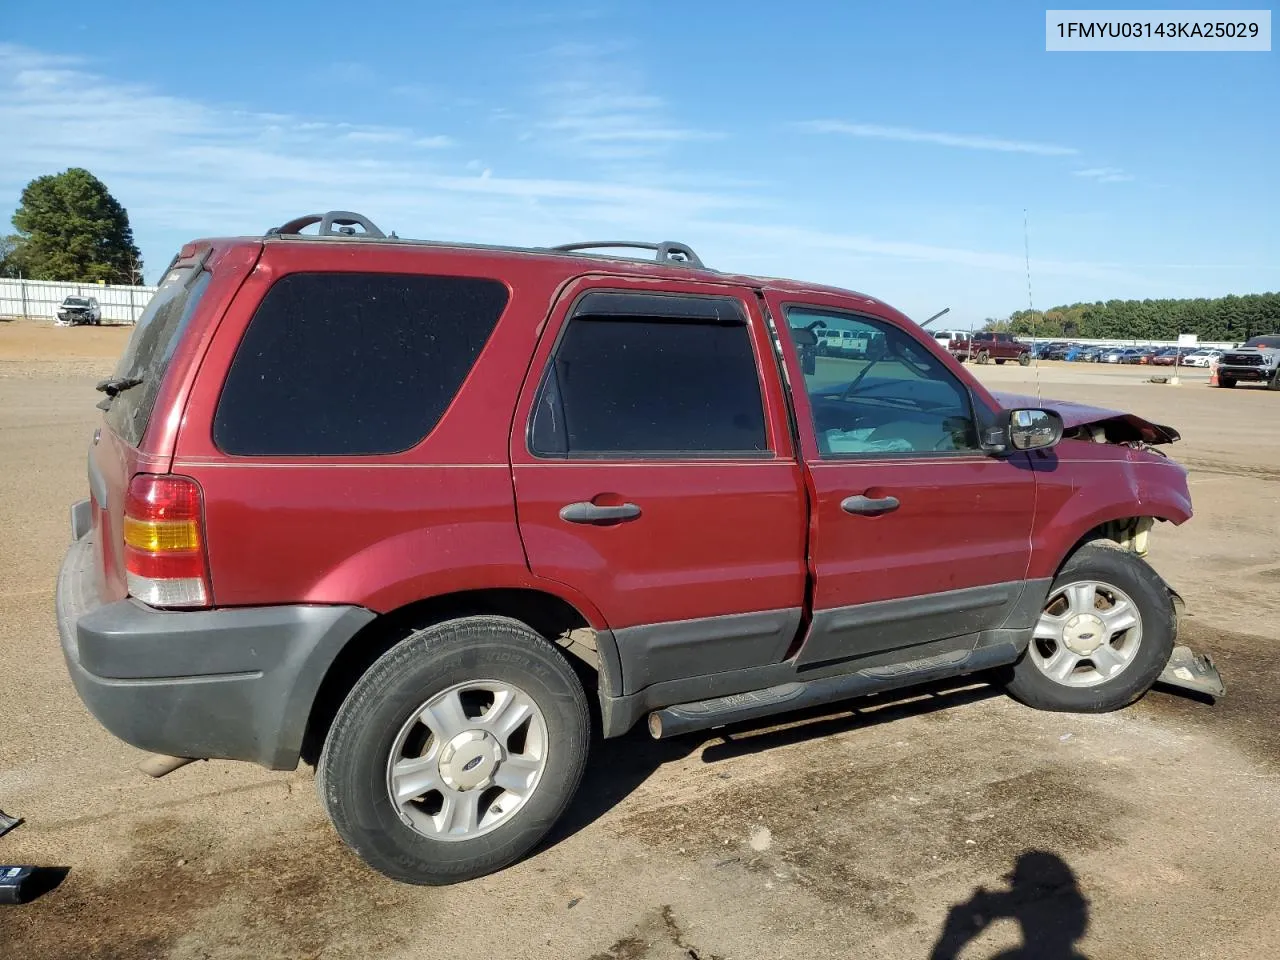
(423, 514)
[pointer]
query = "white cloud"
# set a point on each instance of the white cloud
(596, 108)
(820, 244)
(1104, 174)
(910, 135)
(189, 168)
(376, 136)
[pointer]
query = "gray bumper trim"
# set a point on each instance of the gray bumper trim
(235, 684)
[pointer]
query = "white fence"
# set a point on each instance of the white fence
(39, 299)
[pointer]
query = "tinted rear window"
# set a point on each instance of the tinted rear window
(349, 364)
(680, 384)
(150, 348)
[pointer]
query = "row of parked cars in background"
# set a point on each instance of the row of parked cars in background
(1154, 356)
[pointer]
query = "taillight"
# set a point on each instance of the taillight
(163, 542)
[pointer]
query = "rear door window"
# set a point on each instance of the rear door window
(351, 364)
(647, 376)
(146, 357)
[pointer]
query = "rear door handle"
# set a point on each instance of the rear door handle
(868, 506)
(587, 512)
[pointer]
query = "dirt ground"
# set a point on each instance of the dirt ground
(864, 831)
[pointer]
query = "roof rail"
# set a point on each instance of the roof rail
(680, 254)
(335, 223)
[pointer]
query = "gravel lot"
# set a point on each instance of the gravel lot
(844, 833)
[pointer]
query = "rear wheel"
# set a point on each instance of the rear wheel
(456, 752)
(983, 356)
(1105, 634)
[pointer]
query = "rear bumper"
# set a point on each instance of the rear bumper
(235, 684)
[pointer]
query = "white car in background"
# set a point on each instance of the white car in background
(74, 310)
(944, 337)
(1201, 358)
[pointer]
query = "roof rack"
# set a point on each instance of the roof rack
(669, 251)
(342, 224)
(335, 223)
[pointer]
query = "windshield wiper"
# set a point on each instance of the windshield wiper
(117, 385)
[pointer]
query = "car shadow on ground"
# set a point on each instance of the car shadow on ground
(1043, 898)
(618, 767)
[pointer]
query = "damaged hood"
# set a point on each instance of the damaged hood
(1128, 426)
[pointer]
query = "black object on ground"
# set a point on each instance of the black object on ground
(24, 884)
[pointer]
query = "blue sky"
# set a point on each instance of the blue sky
(891, 148)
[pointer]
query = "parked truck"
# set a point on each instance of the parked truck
(1258, 361)
(984, 347)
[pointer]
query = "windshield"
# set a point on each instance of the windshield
(153, 342)
(1271, 343)
(76, 302)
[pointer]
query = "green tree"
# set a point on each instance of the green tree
(71, 228)
(11, 264)
(1225, 318)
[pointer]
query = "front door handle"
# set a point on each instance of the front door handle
(868, 506)
(587, 512)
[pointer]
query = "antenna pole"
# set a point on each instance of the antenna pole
(942, 312)
(1026, 249)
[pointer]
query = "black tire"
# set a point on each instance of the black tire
(1024, 360)
(1226, 381)
(1107, 563)
(983, 356)
(1274, 383)
(351, 775)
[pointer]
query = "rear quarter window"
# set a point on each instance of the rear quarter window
(155, 337)
(351, 364)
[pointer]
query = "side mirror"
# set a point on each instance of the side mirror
(1027, 429)
(804, 337)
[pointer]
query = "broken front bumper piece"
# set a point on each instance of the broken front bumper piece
(1192, 671)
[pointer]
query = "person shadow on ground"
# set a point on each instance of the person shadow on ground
(1043, 897)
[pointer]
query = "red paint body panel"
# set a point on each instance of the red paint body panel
(964, 521)
(116, 461)
(1081, 485)
(714, 536)
(375, 531)
(470, 508)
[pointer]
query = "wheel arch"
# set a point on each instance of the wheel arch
(1130, 534)
(544, 612)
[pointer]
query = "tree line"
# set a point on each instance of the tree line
(69, 227)
(1230, 318)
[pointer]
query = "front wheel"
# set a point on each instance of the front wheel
(1226, 381)
(456, 751)
(1274, 384)
(1105, 634)
(1024, 360)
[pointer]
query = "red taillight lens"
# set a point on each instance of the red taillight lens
(164, 542)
